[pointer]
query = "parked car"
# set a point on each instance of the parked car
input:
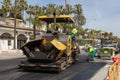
(118, 48)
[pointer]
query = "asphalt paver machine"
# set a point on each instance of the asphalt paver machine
(53, 52)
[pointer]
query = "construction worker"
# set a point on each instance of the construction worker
(92, 51)
(90, 48)
(73, 34)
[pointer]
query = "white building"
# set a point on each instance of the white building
(23, 33)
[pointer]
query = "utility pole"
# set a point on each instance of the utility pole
(15, 14)
(65, 6)
(65, 3)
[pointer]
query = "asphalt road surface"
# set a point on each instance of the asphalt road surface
(81, 70)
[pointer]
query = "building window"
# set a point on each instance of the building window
(9, 42)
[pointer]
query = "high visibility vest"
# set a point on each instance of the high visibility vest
(90, 50)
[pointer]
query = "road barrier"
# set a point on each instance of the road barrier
(113, 73)
(116, 58)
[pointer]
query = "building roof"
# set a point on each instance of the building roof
(20, 28)
(6, 25)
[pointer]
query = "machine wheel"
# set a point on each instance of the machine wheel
(63, 66)
(75, 54)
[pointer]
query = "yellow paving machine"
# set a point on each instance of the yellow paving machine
(53, 52)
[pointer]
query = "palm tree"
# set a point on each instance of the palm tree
(39, 11)
(98, 34)
(51, 8)
(1, 13)
(79, 18)
(44, 10)
(91, 33)
(6, 5)
(22, 6)
(86, 32)
(110, 35)
(30, 12)
(59, 10)
(80, 31)
(106, 35)
(68, 10)
(34, 12)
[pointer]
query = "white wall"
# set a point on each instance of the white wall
(4, 42)
(4, 45)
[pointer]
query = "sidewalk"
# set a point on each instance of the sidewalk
(11, 54)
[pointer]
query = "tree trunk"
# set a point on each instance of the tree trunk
(34, 33)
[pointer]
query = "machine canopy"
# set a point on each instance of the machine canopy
(61, 18)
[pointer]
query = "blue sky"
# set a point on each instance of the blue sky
(100, 14)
